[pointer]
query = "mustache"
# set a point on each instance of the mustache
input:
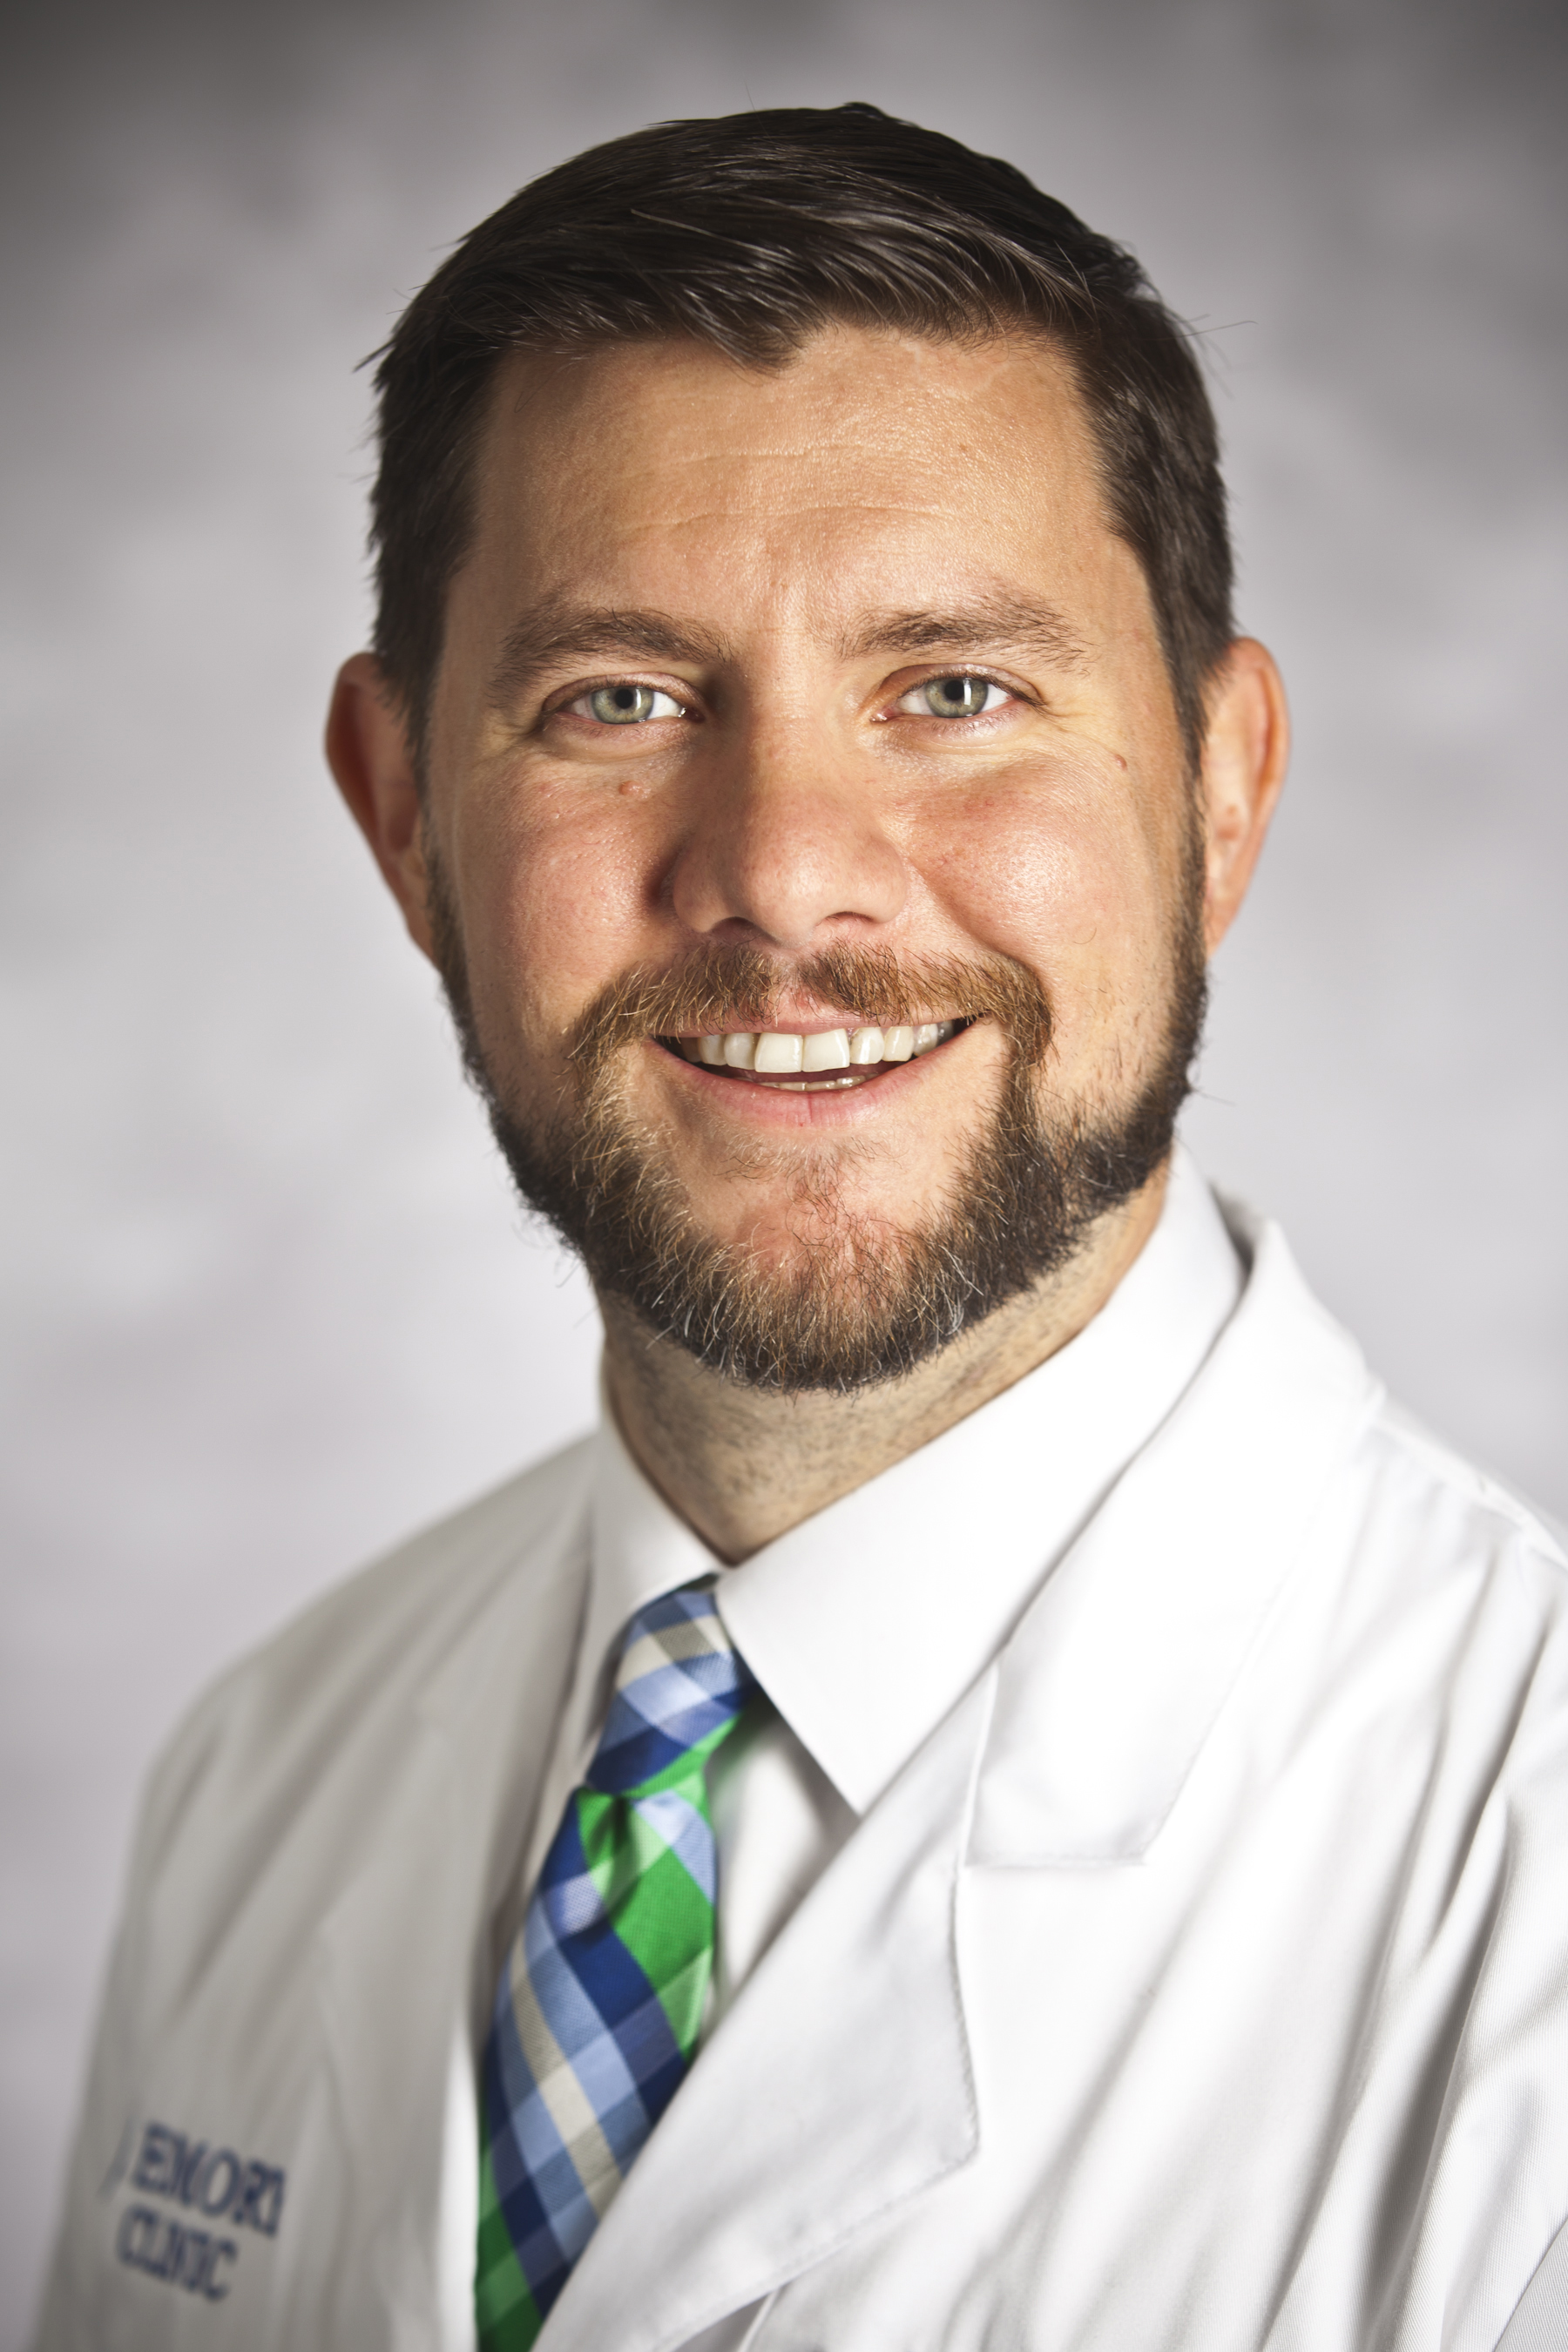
(721, 985)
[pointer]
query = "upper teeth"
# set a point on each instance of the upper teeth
(778, 1052)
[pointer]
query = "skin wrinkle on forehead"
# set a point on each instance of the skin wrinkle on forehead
(609, 383)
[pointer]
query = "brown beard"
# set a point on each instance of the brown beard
(865, 1299)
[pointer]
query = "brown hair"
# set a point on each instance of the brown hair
(749, 232)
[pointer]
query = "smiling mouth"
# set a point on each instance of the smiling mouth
(812, 1062)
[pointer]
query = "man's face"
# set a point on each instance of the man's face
(800, 701)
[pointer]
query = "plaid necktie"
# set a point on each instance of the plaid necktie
(599, 2005)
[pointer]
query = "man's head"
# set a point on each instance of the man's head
(748, 235)
(805, 609)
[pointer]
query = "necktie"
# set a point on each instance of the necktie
(599, 2004)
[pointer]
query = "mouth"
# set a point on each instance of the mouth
(813, 1061)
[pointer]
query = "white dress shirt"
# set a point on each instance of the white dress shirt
(868, 1622)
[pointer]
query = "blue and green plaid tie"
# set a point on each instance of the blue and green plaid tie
(600, 2000)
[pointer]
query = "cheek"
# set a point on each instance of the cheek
(1065, 879)
(553, 901)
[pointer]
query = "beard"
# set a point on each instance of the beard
(863, 1299)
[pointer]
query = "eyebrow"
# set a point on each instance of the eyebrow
(996, 621)
(554, 631)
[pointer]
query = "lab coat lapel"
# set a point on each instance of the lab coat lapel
(404, 1985)
(1116, 1674)
(837, 2086)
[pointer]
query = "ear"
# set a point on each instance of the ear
(368, 751)
(1245, 749)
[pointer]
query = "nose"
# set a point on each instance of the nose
(788, 846)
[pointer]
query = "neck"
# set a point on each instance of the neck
(743, 1465)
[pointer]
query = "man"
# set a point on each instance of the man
(1006, 1798)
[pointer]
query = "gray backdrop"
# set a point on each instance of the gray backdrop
(265, 1302)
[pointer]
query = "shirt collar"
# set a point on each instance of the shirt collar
(867, 1622)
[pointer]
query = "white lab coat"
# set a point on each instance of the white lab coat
(1200, 1986)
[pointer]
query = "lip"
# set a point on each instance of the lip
(760, 1105)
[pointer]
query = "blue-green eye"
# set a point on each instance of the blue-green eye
(626, 705)
(958, 696)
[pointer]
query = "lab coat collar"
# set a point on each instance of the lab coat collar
(1116, 1674)
(867, 1622)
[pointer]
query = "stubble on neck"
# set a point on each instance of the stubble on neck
(741, 1465)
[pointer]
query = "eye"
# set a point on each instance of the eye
(959, 696)
(626, 705)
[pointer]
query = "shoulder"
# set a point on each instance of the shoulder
(1416, 1456)
(348, 1676)
(1416, 1501)
(402, 1716)
(1397, 1484)
(1461, 1581)
(1409, 1574)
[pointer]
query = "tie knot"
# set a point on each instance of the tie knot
(679, 1687)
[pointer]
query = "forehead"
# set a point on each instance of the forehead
(668, 467)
